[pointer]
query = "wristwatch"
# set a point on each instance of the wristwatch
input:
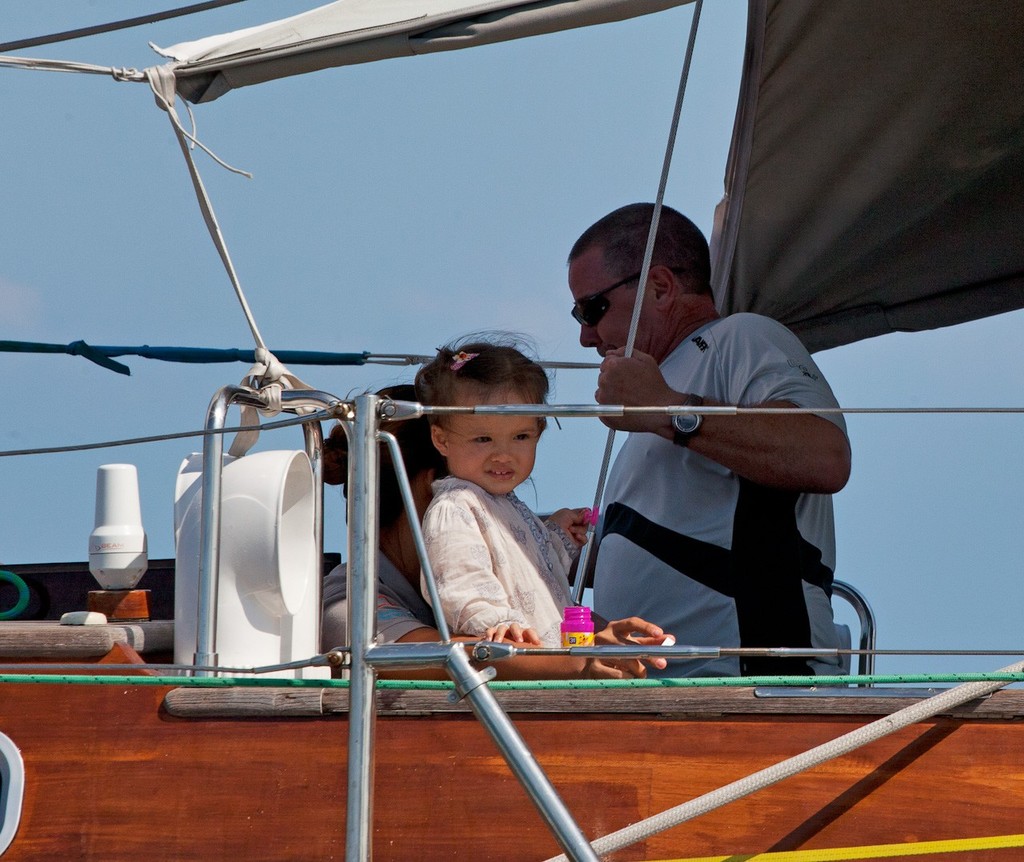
(686, 425)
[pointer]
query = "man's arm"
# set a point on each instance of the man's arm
(797, 452)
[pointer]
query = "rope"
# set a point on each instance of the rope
(100, 354)
(862, 852)
(23, 594)
(584, 560)
(813, 757)
(161, 82)
(996, 679)
(34, 64)
(268, 375)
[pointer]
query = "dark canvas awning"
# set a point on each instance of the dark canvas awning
(876, 179)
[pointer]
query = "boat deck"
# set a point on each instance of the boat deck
(134, 766)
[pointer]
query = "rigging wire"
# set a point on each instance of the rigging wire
(178, 435)
(125, 24)
(585, 551)
(548, 409)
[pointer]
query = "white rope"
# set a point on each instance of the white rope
(122, 74)
(161, 82)
(267, 375)
(844, 744)
(584, 559)
(270, 377)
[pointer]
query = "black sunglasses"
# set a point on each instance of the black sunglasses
(589, 310)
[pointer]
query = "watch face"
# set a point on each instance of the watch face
(686, 423)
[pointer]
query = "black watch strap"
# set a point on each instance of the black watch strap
(686, 426)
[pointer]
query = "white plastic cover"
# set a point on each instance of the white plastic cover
(361, 31)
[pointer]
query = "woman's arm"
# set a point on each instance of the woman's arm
(629, 631)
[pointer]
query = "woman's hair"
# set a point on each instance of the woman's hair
(471, 368)
(418, 455)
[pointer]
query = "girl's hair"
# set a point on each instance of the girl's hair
(479, 366)
(418, 455)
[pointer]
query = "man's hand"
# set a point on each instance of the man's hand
(634, 381)
(633, 631)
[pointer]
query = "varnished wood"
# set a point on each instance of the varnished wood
(112, 775)
(120, 605)
(669, 703)
(122, 654)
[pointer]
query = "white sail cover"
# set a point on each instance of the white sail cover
(876, 177)
(361, 31)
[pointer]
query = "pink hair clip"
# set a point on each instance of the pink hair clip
(461, 358)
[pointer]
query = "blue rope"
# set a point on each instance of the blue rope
(100, 354)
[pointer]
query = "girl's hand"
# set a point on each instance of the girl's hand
(513, 632)
(574, 522)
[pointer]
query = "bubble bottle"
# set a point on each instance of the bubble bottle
(577, 627)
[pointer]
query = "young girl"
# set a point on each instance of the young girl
(500, 570)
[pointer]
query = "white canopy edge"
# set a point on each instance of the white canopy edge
(347, 32)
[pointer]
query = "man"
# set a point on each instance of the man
(718, 528)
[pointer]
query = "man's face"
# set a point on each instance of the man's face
(587, 277)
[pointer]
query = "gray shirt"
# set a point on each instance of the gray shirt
(710, 557)
(400, 608)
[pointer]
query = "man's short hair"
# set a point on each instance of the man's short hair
(622, 236)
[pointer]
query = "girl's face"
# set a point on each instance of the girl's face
(495, 452)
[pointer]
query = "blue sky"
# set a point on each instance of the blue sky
(399, 205)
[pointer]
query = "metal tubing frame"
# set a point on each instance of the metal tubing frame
(362, 588)
(472, 684)
(866, 618)
(209, 530)
(363, 474)
(205, 654)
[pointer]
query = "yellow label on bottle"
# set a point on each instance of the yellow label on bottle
(571, 639)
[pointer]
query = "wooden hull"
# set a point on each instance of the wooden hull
(151, 772)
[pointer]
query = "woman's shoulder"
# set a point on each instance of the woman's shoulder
(335, 586)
